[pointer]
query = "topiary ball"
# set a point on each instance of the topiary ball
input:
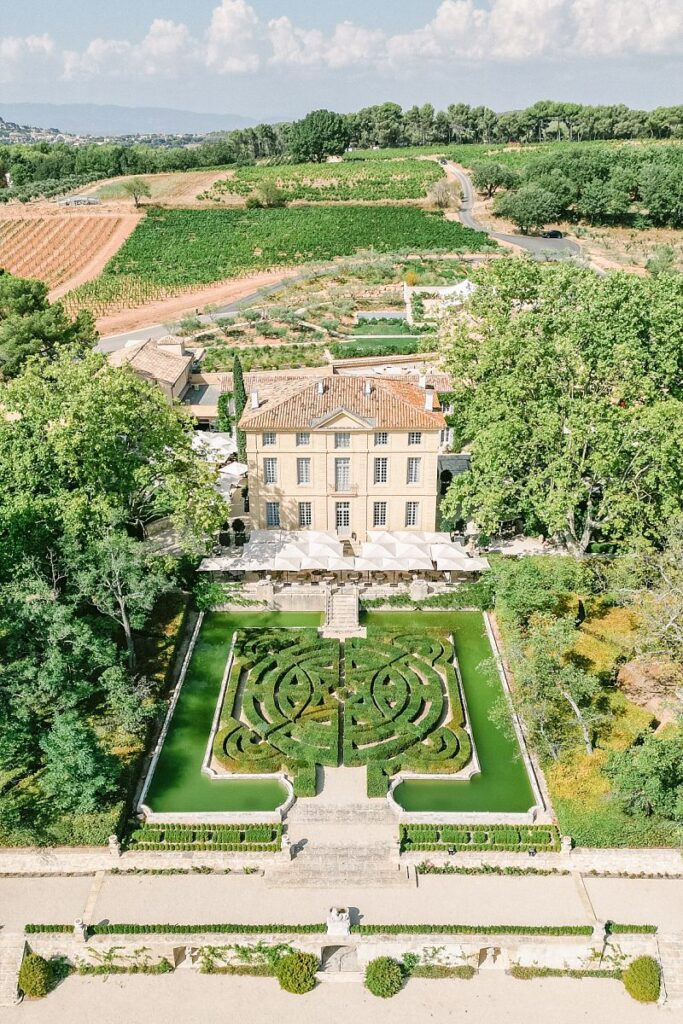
(384, 977)
(642, 979)
(35, 976)
(296, 972)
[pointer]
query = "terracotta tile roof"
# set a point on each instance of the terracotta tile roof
(148, 358)
(390, 405)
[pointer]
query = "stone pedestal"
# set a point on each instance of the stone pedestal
(265, 591)
(419, 590)
(339, 922)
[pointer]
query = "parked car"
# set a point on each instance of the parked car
(554, 233)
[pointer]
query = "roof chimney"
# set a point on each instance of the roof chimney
(320, 387)
(422, 380)
(429, 401)
(254, 400)
(367, 387)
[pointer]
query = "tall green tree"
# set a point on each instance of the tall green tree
(320, 134)
(529, 206)
(122, 579)
(568, 394)
(78, 774)
(31, 326)
(240, 393)
(85, 446)
(558, 700)
(648, 776)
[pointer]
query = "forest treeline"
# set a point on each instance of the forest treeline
(383, 125)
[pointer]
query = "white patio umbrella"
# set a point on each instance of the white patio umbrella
(284, 562)
(415, 562)
(458, 563)
(312, 563)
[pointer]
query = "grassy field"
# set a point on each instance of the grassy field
(343, 181)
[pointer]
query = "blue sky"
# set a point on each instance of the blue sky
(271, 58)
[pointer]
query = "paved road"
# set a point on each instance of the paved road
(541, 248)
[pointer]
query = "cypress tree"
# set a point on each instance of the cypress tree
(240, 393)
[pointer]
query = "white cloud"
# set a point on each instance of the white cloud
(19, 54)
(237, 42)
(162, 52)
(231, 38)
(349, 44)
(606, 27)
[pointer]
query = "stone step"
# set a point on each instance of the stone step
(374, 811)
(333, 876)
(11, 954)
(671, 954)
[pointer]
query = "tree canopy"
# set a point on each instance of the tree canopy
(320, 134)
(89, 456)
(31, 326)
(568, 393)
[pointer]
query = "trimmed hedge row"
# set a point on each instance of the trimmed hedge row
(207, 847)
(501, 838)
(630, 929)
(471, 929)
(253, 838)
(183, 929)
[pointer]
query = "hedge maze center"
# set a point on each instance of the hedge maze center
(414, 697)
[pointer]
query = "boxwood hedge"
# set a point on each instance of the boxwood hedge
(492, 838)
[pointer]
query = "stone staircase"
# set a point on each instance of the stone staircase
(341, 613)
(671, 955)
(375, 812)
(11, 954)
(334, 866)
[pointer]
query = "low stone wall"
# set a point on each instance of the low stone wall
(483, 952)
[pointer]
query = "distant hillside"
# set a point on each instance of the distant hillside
(10, 131)
(91, 119)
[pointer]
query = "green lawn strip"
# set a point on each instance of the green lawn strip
(503, 784)
(178, 784)
(179, 248)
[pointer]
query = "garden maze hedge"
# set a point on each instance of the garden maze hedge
(289, 705)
